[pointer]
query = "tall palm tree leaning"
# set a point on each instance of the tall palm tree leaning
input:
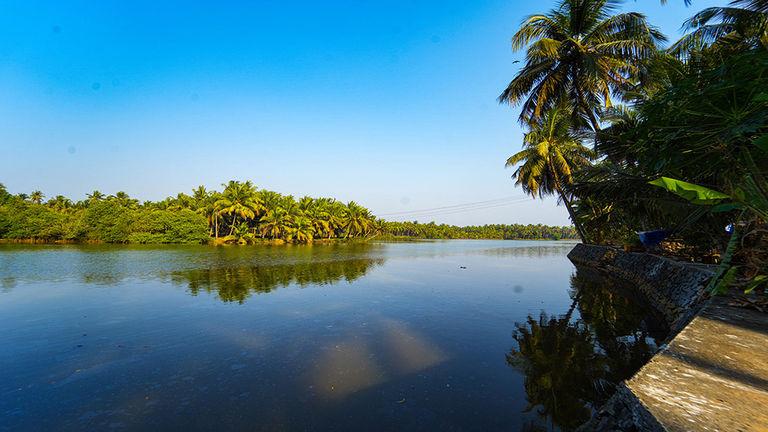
(582, 53)
(552, 150)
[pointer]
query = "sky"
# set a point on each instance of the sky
(391, 104)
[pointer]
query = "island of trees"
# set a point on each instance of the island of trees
(240, 213)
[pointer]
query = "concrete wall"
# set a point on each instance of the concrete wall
(675, 289)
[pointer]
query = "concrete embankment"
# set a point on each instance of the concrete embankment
(712, 375)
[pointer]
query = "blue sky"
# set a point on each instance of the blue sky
(391, 103)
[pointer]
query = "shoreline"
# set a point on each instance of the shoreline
(269, 242)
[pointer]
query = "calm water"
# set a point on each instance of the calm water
(449, 336)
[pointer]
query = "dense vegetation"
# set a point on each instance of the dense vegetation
(496, 231)
(633, 137)
(239, 214)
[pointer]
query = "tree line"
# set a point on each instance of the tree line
(494, 231)
(636, 135)
(240, 213)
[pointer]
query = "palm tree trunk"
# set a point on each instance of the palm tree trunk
(576, 224)
(232, 229)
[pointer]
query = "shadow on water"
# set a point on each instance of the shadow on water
(572, 362)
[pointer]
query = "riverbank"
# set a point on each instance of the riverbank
(221, 241)
(713, 372)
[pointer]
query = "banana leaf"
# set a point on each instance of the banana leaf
(693, 193)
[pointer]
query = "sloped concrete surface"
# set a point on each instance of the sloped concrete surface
(713, 376)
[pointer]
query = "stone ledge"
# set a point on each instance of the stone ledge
(713, 373)
(675, 289)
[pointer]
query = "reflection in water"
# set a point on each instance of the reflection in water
(543, 251)
(572, 365)
(99, 335)
(238, 283)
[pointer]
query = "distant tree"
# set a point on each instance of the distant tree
(95, 196)
(36, 197)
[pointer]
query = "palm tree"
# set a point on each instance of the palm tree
(60, 202)
(742, 22)
(200, 195)
(306, 203)
(239, 199)
(207, 207)
(301, 230)
(275, 223)
(36, 197)
(337, 217)
(552, 150)
(95, 196)
(581, 53)
(125, 200)
(320, 217)
(358, 219)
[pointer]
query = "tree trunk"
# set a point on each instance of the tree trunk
(572, 215)
(234, 221)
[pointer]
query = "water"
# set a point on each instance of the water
(450, 336)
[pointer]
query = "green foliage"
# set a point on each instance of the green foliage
(695, 194)
(240, 214)
(108, 221)
(164, 226)
(701, 130)
(500, 232)
(579, 54)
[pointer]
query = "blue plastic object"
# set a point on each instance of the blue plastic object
(652, 238)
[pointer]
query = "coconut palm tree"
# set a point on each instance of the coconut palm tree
(60, 203)
(358, 220)
(320, 217)
(239, 199)
(275, 223)
(552, 150)
(741, 23)
(306, 203)
(301, 230)
(95, 196)
(579, 52)
(36, 197)
(200, 196)
(125, 200)
(337, 217)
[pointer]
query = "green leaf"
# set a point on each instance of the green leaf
(761, 143)
(756, 282)
(727, 280)
(693, 193)
(726, 207)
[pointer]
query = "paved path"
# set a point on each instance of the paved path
(713, 376)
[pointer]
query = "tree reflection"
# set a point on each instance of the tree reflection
(236, 284)
(572, 365)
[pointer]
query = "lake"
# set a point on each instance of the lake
(444, 335)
